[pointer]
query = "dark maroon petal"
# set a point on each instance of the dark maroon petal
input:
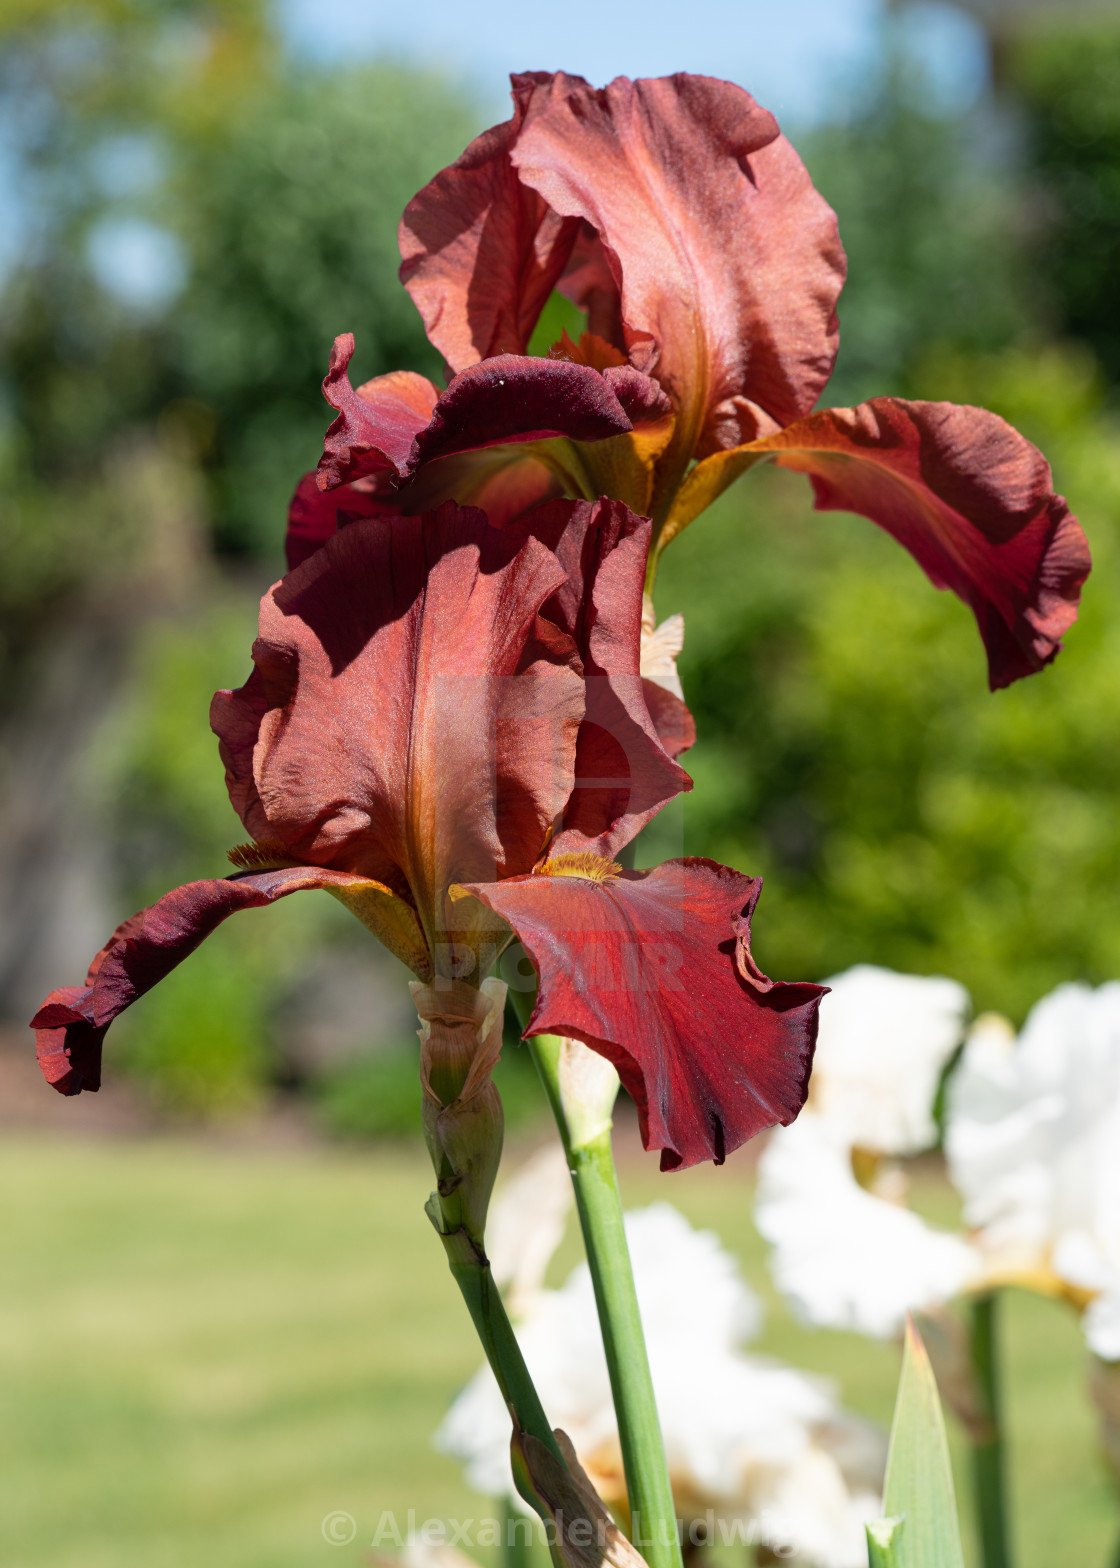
(513, 398)
(376, 424)
(672, 719)
(969, 497)
(653, 970)
(314, 516)
(72, 1022)
(624, 774)
(481, 252)
(640, 396)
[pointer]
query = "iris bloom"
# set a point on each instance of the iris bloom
(677, 217)
(446, 728)
(764, 1447)
(846, 1252)
(1033, 1144)
(1032, 1141)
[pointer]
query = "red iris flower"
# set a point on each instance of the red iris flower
(674, 213)
(446, 729)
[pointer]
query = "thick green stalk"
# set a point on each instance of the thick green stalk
(475, 1280)
(653, 1521)
(987, 1448)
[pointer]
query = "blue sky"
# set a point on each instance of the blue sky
(809, 61)
(804, 59)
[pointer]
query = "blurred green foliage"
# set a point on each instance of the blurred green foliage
(929, 216)
(379, 1096)
(849, 746)
(291, 225)
(1066, 73)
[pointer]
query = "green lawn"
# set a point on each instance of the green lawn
(203, 1353)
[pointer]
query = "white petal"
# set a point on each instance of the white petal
(1033, 1136)
(842, 1257)
(526, 1224)
(759, 1443)
(884, 1039)
(660, 649)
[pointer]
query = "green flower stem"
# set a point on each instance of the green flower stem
(987, 1450)
(472, 1274)
(653, 1520)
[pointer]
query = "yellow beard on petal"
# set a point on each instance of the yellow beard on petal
(581, 863)
(266, 854)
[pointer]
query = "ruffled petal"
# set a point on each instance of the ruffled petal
(71, 1024)
(624, 771)
(727, 260)
(376, 424)
(481, 252)
(653, 970)
(410, 723)
(542, 418)
(970, 498)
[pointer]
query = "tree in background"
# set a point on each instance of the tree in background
(1066, 75)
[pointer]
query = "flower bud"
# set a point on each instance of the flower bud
(460, 1042)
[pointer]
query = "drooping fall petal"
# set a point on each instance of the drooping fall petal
(624, 771)
(407, 719)
(727, 261)
(653, 970)
(481, 252)
(72, 1022)
(970, 498)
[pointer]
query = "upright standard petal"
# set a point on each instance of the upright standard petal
(727, 261)
(71, 1024)
(653, 970)
(411, 716)
(481, 252)
(970, 498)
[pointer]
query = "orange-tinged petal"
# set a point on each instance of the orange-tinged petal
(726, 259)
(481, 252)
(405, 719)
(624, 769)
